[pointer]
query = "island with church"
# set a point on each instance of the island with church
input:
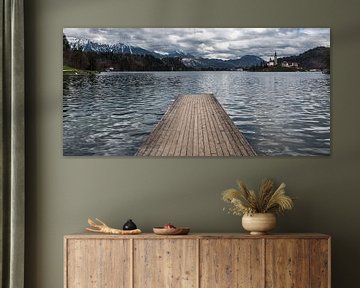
(313, 60)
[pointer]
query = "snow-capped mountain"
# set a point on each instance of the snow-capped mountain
(192, 62)
(242, 62)
(179, 54)
(87, 45)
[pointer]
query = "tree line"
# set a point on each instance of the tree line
(96, 61)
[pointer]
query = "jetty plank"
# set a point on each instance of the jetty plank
(196, 125)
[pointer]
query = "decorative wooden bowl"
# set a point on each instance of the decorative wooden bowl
(171, 231)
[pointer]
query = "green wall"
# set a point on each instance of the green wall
(62, 192)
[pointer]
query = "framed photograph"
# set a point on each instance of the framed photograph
(196, 92)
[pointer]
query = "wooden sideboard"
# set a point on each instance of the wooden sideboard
(197, 260)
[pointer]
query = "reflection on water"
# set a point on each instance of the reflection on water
(279, 113)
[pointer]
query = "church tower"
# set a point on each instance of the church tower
(275, 59)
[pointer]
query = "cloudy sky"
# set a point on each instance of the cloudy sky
(224, 43)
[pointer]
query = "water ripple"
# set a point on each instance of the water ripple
(279, 113)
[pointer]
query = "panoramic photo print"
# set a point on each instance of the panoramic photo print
(196, 92)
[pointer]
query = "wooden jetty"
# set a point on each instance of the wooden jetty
(196, 125)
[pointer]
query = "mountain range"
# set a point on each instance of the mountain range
(89, 55)
(190, 61)
(86, 45)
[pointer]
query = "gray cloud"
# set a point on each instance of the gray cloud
(223, 43)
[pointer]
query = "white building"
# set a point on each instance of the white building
(273, 62)
(289, 64)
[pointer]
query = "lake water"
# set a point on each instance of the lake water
(280, 113)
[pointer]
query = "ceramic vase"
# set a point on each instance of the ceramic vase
(259, 223)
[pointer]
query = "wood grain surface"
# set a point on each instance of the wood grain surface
(165, 263)
(98, 263)
(88, 235)
(320, 263)
(205, 260)
(196, 125)
(231, 263)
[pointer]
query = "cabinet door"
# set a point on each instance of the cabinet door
(287, 263)
(231, 263)
(166, 263)
(98, 263)
(320, 263)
